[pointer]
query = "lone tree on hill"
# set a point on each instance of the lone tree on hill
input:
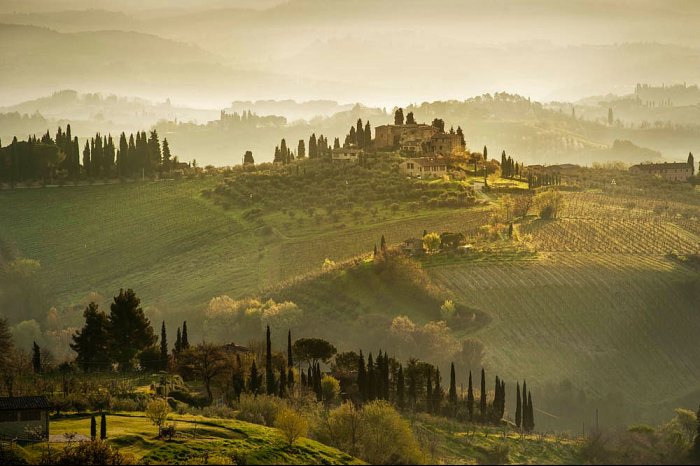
(248, 158)
(103, 427)
(185, 340)
(691, 162)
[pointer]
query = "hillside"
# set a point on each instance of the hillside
(201, 440)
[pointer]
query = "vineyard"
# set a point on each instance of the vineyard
(604, 322)
(627, 236)
(618, 224)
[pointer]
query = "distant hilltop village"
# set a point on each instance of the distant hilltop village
(667, 96)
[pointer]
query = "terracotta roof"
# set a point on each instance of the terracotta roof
(24, 402)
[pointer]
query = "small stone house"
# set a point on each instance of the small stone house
(425, 167)
(21, 415)
(347, 154)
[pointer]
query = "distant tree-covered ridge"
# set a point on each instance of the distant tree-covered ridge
(60, 157)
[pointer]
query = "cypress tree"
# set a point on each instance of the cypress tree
(290, 359)
(385, 382)
(518, 406)
(163, 347)
(254, 379)
(36, 358)
(429, 391)
(269, 374)
(93, 428)
(371, 379)
(482, 404)
(368, 135)
(530, 413)
(185, 340)
(362, 378)
(178, 342)
(470, 398)
(283, 382)
(503, 399)
(86, 160)
(382, 244)
(400, 399)
(524, 406)
(103, 427)
(453, 384)
(166, 155)
(437, 393)
(310, 378)
(290, 377)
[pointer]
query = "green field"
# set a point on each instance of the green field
(198, 436)
(178, 249)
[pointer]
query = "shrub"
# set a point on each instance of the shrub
(447, 310)
(87, 453)
(157, 412)
(387, 437)
(292, 425)
(330, 388)
(262, 409)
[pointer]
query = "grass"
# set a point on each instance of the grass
(178, 249)
(199, 438)
(451, 442)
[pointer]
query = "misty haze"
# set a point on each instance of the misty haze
(349, 232)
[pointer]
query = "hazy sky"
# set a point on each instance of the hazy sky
(392, 52)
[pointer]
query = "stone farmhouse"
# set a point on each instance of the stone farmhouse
(347, 154)
(418, 139)
(21, 417)
(425, 167)
(667, 171)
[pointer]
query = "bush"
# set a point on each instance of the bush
(292, 424)
(262, 409)
(87, 453)
(387, 437)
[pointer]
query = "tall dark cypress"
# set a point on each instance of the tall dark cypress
(470, 398)
(400, 398)
(530, 413)
(163, 348)
(385, 382)
(103, 427)
(185, 340)
(93, 428)
(371, 379)
(283, 382)
(362, 378)
(518, 406)
(483, 404)
(503, 399)
(437, 393)
(524, 407)
(429, 391)
(290, 358)
(36, 358)
(269, 374)
(254, 379)
(453, 384)
(178, 342)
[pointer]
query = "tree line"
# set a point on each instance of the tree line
(50, 157)
(537, 180)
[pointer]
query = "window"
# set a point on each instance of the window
(30, 415)
(8, 416)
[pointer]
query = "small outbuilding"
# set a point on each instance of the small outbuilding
(22, 417)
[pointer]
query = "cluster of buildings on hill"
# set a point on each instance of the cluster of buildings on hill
(429, 149)
(668, 171)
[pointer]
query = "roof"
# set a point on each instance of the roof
(24, 402)
(662, 166)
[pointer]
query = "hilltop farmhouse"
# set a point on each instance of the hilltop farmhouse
(418, 139)
(668, 171)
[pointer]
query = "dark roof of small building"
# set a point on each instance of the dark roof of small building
(661, 166)
(24, 402)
